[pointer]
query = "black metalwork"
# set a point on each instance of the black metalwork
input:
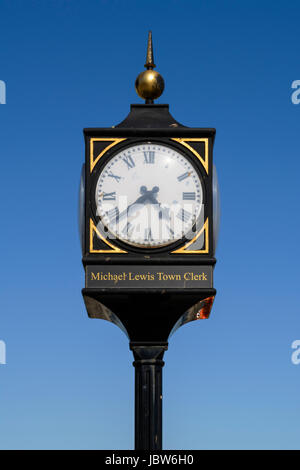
(148, 315)
(148, 394)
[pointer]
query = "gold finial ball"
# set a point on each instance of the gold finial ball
(149, 85)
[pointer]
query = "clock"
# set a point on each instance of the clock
(149, 195)
(149, 219)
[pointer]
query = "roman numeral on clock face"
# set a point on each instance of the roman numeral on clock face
(109, 196)
(183, 176)
(170, 230)
(149, 157)
(116, 177)
(129, 161)
(127, 230)
(188, 196)
(148, 234)
(184, 215)
(113, 214)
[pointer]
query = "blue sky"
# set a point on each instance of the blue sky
(229, 382)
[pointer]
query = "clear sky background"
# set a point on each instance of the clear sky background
(229, 382)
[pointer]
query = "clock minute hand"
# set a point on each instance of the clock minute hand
(124, 213)
(140, 200)
(145, 195)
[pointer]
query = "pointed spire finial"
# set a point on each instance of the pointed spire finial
(150, 56)
(149, 84)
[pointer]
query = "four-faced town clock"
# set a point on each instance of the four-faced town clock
(149, 217)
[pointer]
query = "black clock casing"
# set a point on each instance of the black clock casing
(165, 304)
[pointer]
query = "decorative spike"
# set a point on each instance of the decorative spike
(150, 57)
(149, 84)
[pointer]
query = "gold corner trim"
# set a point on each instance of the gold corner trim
(184, 250)
(204, 160)
(93, 161)
(113, 248)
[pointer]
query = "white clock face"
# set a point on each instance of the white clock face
(149, 195)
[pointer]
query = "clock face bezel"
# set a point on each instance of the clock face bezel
(131, 142)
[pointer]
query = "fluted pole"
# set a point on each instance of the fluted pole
(148, 395)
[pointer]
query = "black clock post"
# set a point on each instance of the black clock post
(148, 286)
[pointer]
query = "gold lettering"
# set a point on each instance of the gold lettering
(195, 277)
(168, 277)
(140, 277)
(95, 277)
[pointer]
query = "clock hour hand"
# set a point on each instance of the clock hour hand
(140, 200)
(149, 196)
(132, 207)
(145, 195)
(125, 212)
